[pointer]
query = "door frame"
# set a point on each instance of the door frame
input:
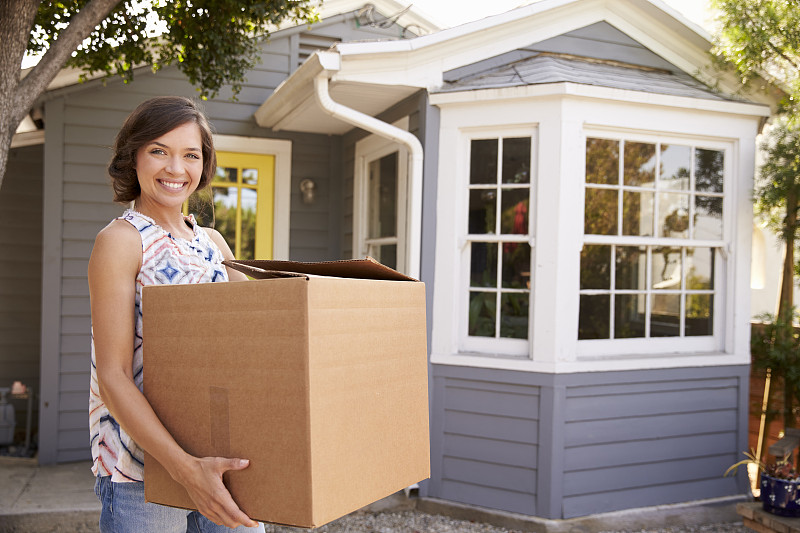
(282, 151)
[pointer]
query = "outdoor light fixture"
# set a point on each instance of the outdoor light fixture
(307, 187)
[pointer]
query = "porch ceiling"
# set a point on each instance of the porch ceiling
(307, 116)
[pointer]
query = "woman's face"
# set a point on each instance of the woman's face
(169, 167)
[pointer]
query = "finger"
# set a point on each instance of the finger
(235, 464)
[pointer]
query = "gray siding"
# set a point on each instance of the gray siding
(563, 446)
(82, 121)
(21, 271)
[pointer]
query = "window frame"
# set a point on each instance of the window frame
(510, 348)
(663, 345)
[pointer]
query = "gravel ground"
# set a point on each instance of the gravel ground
(417, 522)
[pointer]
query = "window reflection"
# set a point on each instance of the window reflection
(676, 164)
(602, 161)
(594, 319)
(482, 310)
(631, 267)
(629, 316)
(600, 216)
(708, 217)
(596, 266)
(699, 269)
(665, 315)
(666, 274)
(709, 166)
(483, 269)
(514, 315)
(699, 315)
(516, 265)
(673, 215)
(516, 160)
(639, 164)
(382, 191)
(637, 213)
(483, 161)
(514, 218)
(482, 206)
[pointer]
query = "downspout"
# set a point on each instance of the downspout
(407, 139)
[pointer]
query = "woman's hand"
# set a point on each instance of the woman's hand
(202, 479)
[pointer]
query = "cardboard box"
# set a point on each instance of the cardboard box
(318, 377)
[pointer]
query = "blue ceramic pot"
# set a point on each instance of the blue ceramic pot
(780, 496)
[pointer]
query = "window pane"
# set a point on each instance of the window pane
(483, 271)
(225, 175)
(516, 160)
(225, 201)
(709, 165)
(483, 161)
(707, 217)
(600, 216)
(676, 164)
(385, 254)
(699, 269)
(514, 218)
(637, 213)
(514, 315)
(250, 176)
(382, 193)
(629, 316)
(639, 164)
(593, 321)
(596, 267)
(248, 228)
(666, 268)
(665, 317)
(482, 209)
(631, 267)
(673, 215)
(482, 310)
(602, 161)
(699, 315)
(516, 265)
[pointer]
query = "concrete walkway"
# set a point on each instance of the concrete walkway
(60, 499)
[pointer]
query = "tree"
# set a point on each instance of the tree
(213, 42)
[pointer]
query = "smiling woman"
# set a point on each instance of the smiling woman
(162, 154)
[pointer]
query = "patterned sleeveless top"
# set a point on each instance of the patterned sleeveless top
(165, 260)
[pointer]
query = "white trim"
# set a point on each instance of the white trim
(367, 150)
(282, 150)
(598, 92)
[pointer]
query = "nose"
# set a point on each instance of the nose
(174, 165)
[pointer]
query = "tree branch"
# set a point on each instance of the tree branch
(79, 28)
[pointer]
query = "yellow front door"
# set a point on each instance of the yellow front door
(239, 203)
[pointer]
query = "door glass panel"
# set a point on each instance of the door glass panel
(225, 202)
(382, 191)
(248, 227)
(250, 176)
(483, 161)
(225, 175)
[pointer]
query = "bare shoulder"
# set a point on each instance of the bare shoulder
(220, 241)
(117, 246)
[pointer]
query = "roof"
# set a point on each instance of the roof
(371, 77)
(547, 67)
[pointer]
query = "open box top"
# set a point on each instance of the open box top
(367, 268)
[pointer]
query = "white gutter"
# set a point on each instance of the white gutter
(407, 139)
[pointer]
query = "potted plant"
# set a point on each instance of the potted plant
(779, 483)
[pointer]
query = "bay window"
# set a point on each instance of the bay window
(652, 263)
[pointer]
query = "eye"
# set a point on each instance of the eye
(193, 155)
(159, 151)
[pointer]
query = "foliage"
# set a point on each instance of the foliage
(762, 38)
(778, 176)
(775, 345)
(211, 41)
(779, 469)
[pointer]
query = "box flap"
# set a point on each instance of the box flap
(366, 268)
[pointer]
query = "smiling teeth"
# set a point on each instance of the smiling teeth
(172, 185)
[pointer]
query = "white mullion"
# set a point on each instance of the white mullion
(692, 183)
(620, 183)
(648, 281)
(682, 305)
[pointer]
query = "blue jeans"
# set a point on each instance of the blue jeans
(125, 511)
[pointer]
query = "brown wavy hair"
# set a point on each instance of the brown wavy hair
(152, 119)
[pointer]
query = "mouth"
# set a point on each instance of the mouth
(173, 185)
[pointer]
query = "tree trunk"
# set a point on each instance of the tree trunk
(786, 299)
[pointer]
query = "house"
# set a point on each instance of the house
(571, 180)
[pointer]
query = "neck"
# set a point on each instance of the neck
(169, 218)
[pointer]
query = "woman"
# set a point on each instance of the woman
(162, 154)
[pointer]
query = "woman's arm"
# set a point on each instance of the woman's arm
(113, 266)
(219, 240)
